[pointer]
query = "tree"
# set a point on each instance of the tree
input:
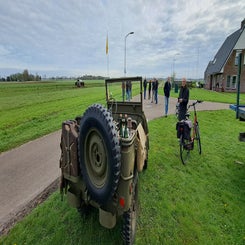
(26, 75)
(22, 77)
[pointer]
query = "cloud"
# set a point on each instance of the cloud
(68, 37)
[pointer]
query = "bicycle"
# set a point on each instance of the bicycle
(177, 110)
(186, 142)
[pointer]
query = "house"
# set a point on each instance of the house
(221, 73)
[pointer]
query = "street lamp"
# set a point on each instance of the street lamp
(125, 52)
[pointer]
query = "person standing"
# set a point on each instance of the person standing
(145, 87)
(153, 90)
(149, 90)
(128, 90)
(183, 99)
(167, 89)
(156, 91)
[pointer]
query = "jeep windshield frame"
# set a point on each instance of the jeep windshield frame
(134, 107)
(124, 80)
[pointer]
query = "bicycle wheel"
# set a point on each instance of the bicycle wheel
(184, 151)
(198, 139)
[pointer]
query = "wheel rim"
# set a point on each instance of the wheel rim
(96, 158)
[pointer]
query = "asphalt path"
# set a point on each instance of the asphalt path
(28, 170)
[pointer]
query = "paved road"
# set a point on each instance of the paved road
(27, 170)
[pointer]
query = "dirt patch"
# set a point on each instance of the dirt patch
(24, 211)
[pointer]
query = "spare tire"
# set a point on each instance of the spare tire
(99, 153)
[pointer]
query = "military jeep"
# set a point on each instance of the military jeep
(102, 153)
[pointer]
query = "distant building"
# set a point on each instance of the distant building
(221, 72)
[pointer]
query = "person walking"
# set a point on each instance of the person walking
(145, 87)
(167, 89)
(183, 99)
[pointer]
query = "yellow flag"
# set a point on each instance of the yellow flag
(106, 47)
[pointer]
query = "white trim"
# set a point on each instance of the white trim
(240, 44)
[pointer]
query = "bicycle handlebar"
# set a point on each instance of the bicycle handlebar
(194, 103)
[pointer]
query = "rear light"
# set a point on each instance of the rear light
(122, 202)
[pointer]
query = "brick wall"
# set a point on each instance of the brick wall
(230, 69)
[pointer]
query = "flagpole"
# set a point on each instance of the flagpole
(108, 65)
(107, 54)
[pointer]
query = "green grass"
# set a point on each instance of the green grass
(31, 110)
(200, 203)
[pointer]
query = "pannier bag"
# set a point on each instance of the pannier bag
(184, 127)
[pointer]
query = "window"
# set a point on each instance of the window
(228, 81)
(237, 57)
(233, 82)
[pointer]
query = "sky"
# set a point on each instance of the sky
(68, 37)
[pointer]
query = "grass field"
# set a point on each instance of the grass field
(31, 110)
(201, 203)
